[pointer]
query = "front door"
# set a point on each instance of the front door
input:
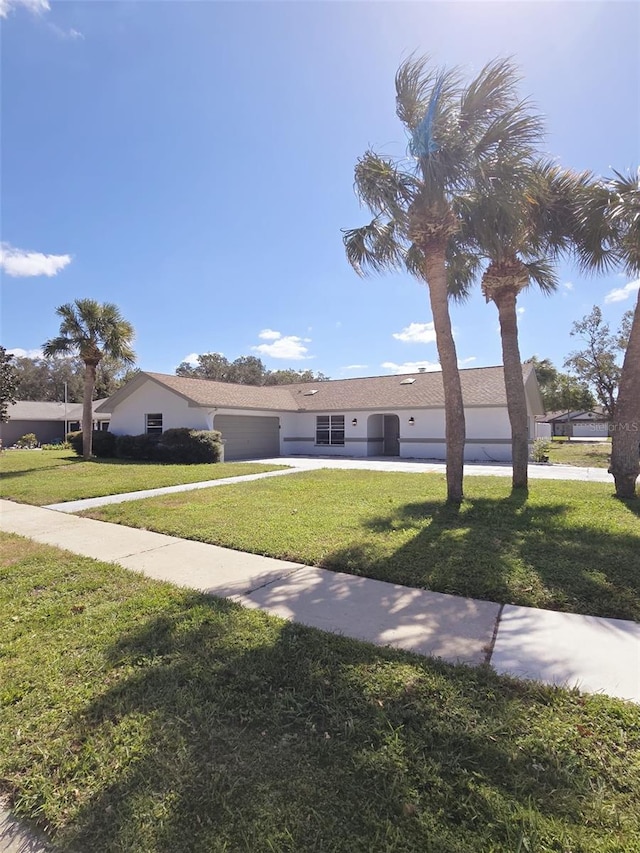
(391, 435)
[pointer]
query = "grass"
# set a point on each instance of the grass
(580, 453)
(566, 546)
(52, 476)
(137, 717)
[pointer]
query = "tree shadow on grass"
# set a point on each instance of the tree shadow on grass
(220, 729)
(506, 550)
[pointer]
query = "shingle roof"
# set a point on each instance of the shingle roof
(34, 410)
(204, 392)
(481, 386)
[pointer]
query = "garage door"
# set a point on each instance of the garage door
(247, 437)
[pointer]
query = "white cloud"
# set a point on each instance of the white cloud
(290, 347)
(191, 359)
(65, 34)
(568, 285)
(417, 333)
(21, 263)
(18, 352)
(520, 311)
(269, 335)
(35, 6)
(619, 294)
(411, 366)
(417, 366)
(355, 367)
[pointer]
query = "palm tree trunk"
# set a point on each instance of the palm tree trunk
(505, 301)
(87, 407)
(436, 276)
(625, 444)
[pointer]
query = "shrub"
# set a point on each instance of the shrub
(27, 441)
(56, 445)
(103, 443)
(540, 450)
(142, 448)
(189, 446)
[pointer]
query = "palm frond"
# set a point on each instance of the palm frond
(374, 247)
(414, 261)
(463, 269)
(413, 81)
(490, 93)
(382, 187)
(542, 271)
(60, 345)
(512, 131)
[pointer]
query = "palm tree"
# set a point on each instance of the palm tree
(457, 133)
(517, 221)
(94, 331)
(608, 234)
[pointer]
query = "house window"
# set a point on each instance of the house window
(73, 426)
(153, 424)
(330, 429)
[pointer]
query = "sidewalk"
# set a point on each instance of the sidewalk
(594, 654)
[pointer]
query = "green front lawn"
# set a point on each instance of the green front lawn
(580, 453)
(567, 546)
(52, 476)
(136, 717)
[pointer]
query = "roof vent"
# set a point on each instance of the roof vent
(310, 393)
(408, 381)
(422, 370)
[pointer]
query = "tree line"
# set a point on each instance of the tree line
(246, 370)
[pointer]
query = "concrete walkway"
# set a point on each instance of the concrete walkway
(596, 655)
(18, 836)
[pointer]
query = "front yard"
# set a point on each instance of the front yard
(581, 453)
(136, 717)
(566, 546)
(51, 476)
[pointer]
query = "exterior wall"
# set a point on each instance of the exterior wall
(488, 435)
(298, 435)
(543, 430)
(150, 398)
(591, 429)
(45, 431)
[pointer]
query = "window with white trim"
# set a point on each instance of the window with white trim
(330, 429)
(153, 424)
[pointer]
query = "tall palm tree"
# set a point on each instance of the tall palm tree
(518, 221)
(456, 134)
(608, 234)
(93, 331)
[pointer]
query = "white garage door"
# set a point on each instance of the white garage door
(247, 437)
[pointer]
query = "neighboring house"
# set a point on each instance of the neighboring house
(584, 424)
(50, 422)
(400, 415)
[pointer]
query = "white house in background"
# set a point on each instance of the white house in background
(50, 421)
(584, 424)
(400, 415)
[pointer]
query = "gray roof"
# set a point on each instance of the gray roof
(481, 386)
(34, 410)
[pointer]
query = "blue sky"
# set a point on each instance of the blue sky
(193, 163)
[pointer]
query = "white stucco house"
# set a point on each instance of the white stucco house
(400, 415)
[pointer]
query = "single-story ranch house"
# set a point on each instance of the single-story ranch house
(583, 424)
(50, 422)
(400, 415)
